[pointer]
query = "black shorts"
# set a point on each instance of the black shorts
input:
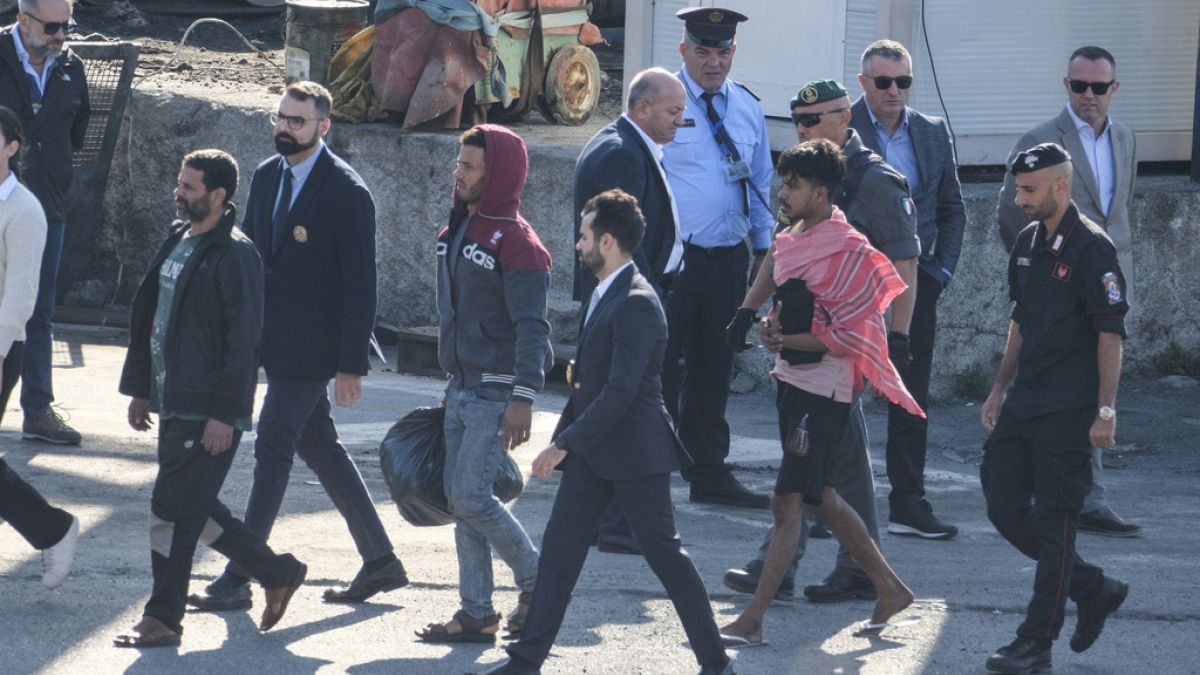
(826, 421)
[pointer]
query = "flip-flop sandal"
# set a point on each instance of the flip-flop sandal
(139, 642)
(269, 619)
(737, 641)
(516, 620)
(869, 629)
(462, 628)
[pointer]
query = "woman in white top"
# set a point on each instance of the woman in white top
(51, 530)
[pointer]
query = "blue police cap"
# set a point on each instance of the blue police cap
(711, 26)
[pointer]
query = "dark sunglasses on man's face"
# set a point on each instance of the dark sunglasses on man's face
(52, 27)
(809, 120)
(1098, 88)
(883, 82)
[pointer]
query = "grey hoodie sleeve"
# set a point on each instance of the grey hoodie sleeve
(525, 293)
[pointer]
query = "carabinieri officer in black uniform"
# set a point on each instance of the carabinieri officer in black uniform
(1064, 351)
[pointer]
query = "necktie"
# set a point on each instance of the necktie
(725, 142)
(280, 217)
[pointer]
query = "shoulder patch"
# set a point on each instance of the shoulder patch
(747, 90)
(1112, 287)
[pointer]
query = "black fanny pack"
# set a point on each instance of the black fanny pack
(796, 316)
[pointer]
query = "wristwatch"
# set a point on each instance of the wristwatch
(1107, 413)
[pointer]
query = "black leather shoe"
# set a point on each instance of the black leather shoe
(509, 667)
(1104, 521)
(1094, 611)
(841, 585)
(626, 546)
(1024, 655)
(222, 595)
(746, 579)
(365, 584)
(916, 519)
(729, 492)
(723, 669)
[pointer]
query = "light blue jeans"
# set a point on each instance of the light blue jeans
(482, 522)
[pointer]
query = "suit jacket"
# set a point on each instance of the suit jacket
(1084, 191)
(615, 420)
(320, 281)
(941, 216)
(617, 157)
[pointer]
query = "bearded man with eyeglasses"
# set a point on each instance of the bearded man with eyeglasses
(44, 83)
(1104, 155)
(919, 147)
(312, 219)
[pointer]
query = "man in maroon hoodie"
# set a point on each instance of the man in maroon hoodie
(493, 276)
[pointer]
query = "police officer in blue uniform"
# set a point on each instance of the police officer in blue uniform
(719, 167)
(1063, 360)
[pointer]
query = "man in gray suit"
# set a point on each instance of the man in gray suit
(1104, 154)
(919, 147)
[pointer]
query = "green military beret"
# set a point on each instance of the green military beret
(818, 91)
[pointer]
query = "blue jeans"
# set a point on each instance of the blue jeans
(37, 392)
(482, 522)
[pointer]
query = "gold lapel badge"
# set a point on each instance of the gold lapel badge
(300, 234)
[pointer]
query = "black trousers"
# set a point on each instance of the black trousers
(582, 497)
(23, 507)
(699, 361)
(186, 511)
(908, 435)
(1035, 475)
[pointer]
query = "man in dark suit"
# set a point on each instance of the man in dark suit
(615, 440)
(627, 155)
(919, 147)
(44, 83)
(313, 221)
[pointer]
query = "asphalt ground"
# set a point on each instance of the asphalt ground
(971, 591)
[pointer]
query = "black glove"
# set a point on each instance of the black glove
(898, 352)
(735, 332)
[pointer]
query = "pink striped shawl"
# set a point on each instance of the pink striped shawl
(853, 284)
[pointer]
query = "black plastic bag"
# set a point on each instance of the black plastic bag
(413, 457)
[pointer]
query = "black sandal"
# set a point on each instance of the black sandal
(462, 628)
(516, 620)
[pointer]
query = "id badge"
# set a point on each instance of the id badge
(737, 171)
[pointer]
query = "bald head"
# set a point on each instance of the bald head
(656, 103)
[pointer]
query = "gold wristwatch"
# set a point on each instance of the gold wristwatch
(1107, 413)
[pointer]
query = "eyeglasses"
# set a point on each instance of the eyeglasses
(53, 27)
(883, 82)
(294, 122)
(1098, 88)
(812, 119)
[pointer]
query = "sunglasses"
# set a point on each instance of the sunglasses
(1098, 88)
(812, 119)
(883, 82)
(53, 27)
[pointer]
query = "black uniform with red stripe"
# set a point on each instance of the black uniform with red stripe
(1037, 462)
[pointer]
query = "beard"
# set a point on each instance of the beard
(193, 212)
(287, 145)
(591, 260)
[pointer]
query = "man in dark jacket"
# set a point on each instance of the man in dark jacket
(493, 276)
(194, 334)
(45, 85)
(615, 441)
(313, 221)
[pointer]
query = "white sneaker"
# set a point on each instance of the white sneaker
(57, 560)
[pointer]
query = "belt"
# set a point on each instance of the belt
(712, 250)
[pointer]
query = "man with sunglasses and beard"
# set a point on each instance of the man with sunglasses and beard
(919, 147)
(1104, 154)
(875, 200)
(313, 220)
(45, 85)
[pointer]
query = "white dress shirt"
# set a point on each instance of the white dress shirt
(1099, 151)
(601, 289)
